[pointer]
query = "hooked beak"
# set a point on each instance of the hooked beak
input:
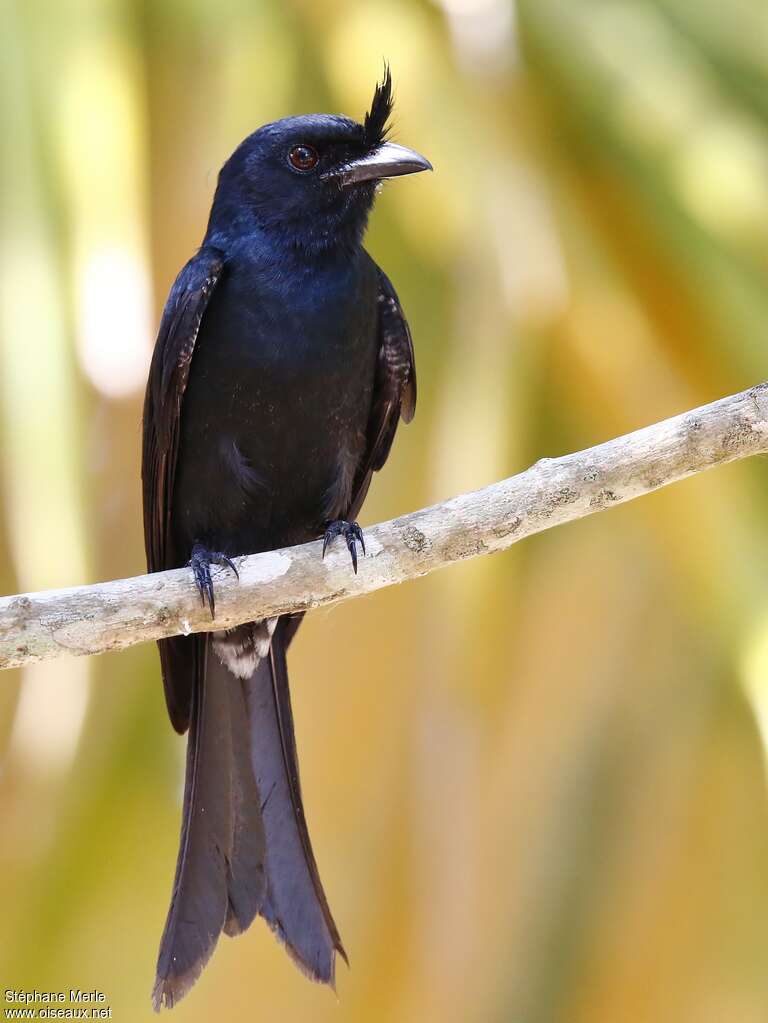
(388, 161)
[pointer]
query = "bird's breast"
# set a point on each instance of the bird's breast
(276, 408)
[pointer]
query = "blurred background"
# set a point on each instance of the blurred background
(535, 782)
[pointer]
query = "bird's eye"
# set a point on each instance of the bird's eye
(303, 158)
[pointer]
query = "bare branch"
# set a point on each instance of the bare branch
(108, 616)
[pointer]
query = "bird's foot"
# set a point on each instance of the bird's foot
(352, 534)
(200, 562)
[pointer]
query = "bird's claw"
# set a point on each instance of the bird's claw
(200, 562)
(352, 534)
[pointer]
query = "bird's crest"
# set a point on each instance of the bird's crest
(375, 125)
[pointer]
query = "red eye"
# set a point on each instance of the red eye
(303, 158)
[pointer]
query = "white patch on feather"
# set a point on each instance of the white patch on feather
(240, 650)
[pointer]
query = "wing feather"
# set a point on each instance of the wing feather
(168, 376)
(394, 393)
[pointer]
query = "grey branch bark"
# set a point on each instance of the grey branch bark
(112, 615)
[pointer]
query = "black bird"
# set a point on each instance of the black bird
(282, 366)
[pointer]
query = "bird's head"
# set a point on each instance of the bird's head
(310, 181)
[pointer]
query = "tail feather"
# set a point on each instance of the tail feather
(246, 882)
(245, 847)
(220, 870)
(295, 905)
(199, 901)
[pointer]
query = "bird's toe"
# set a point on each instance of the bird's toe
(200, 562)
(352, 534)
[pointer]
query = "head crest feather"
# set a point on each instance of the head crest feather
(375, 126)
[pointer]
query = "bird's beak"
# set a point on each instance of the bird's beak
(388, 161)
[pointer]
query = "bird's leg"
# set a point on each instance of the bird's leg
(200, 562)
(351, 532)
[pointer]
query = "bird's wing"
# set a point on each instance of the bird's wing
(394, 390)
(168, 376)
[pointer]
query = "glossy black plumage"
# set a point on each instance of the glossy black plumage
(282, 366)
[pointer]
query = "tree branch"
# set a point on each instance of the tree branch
(112, 615)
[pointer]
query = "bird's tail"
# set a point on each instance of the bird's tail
(294, 905)
(245, 847)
